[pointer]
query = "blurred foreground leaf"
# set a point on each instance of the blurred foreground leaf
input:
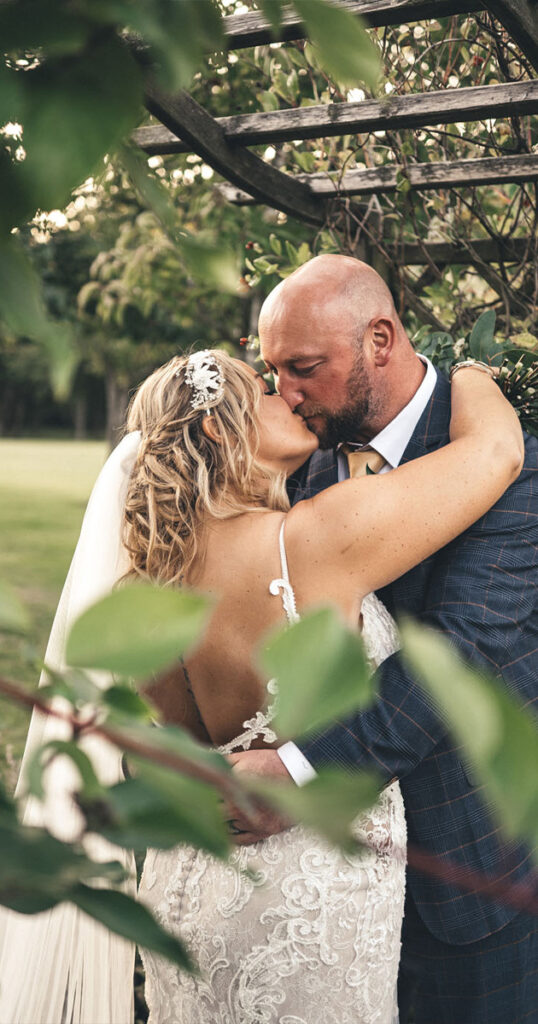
(161, 808)
(329, 804)
(129, 918)
(170, 739)
(343, 46)
(499, 737)
(178, 33)
(322, 673)
(38, 871)
(66, 748)
(137, 630)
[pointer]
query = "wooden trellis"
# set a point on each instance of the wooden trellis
(223, 142)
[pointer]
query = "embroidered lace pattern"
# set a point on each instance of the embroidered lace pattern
(290, 930)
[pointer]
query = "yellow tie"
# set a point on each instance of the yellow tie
(363, 463)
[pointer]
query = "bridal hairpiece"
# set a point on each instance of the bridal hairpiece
(205, 377)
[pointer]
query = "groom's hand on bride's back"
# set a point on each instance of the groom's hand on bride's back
(265, 764)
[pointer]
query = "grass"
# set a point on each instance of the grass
(43, 493)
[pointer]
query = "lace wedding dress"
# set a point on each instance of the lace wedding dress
(290, 930)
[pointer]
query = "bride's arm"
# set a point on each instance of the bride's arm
(360, 535)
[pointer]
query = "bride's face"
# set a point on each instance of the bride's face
(285, 440)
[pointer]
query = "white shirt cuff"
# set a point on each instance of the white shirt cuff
(296, 763)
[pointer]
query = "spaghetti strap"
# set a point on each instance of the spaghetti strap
(283, 586)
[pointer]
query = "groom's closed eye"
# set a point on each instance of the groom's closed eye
(304, 371)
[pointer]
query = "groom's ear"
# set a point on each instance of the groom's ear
(209, 428)
(381, 333)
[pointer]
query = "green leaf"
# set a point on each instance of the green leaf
(322, 673)
(126, 703)
(210, 263)
(329, 804)
(162, 808)
(27, 26)
(273, 12)
(73, 684)
(482, 341)
(171, 739)
(10, 92)
(345, 49)
(130, 919)
(179, 34)
(137, 630)
(35, 867)
(76, 111)
(267, 100)
(499, 737)
(13, 615)
(66, 748)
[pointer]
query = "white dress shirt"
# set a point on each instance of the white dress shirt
(391, 443)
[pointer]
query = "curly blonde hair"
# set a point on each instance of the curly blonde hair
(182, 478)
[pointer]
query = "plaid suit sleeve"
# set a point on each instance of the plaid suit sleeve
(482, 594)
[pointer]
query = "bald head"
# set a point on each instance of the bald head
(332, 336)
(333, 280)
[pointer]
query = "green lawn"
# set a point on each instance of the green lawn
(44, 487)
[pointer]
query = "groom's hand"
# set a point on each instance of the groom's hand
(265, 764)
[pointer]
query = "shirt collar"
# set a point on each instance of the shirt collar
(392, 441)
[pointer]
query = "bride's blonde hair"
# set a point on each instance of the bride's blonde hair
(182, 478)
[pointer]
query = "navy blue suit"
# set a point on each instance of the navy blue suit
(481, 590)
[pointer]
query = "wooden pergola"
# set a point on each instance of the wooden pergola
(223, 143)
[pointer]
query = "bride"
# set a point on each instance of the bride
(290, 931)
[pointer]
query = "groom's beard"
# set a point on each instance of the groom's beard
(334, 427)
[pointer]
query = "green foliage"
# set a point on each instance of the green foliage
(518, 368)
(499, 736)
(342, 44)
(160, 808)
(322, 671)
(129, 918)
(137, 630)
(329, 804)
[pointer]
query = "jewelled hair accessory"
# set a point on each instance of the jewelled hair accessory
(205, 377)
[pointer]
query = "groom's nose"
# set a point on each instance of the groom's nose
(290, 392)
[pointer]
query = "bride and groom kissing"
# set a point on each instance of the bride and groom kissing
(444, 526)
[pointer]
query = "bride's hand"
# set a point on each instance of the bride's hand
(265, 764)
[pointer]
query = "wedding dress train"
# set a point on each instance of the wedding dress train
(290, 930)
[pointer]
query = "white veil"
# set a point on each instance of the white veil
(61, 966)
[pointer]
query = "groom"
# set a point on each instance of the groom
(342, 360)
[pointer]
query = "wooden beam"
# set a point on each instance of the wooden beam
(456, 174)
(395, 112)
(480, 250)
(520, 18)
(253, 29)
(183, 116)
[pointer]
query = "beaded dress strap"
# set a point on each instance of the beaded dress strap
(283, 586)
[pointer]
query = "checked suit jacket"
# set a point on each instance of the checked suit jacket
(481, 591)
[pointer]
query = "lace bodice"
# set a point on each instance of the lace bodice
(290, 930)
